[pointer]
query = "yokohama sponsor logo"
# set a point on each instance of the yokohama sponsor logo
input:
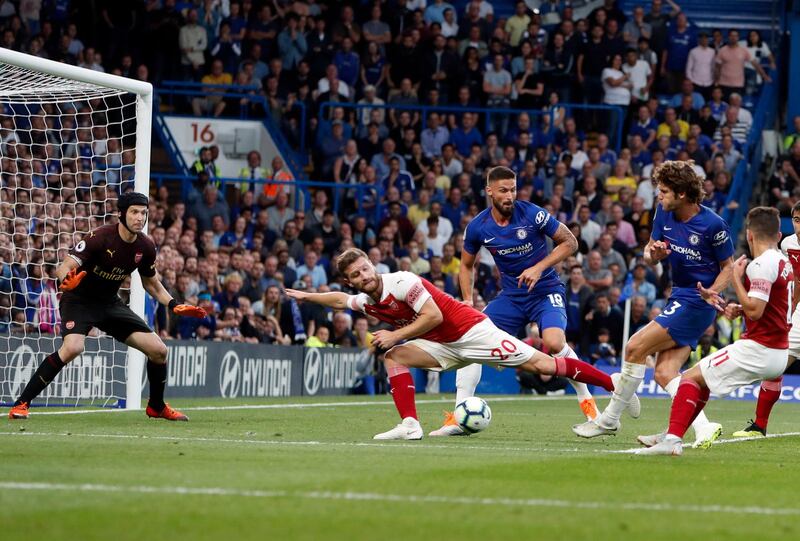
(521, 249)
(690, 253)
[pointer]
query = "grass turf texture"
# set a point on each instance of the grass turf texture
(315, 473)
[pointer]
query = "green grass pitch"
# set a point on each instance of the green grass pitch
(313, 472)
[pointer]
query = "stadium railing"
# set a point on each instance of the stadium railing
(340, 192)
(171, 93)
(749, 167)
(616, 113)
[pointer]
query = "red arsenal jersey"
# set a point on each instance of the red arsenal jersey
(403, 296)
(770, 278)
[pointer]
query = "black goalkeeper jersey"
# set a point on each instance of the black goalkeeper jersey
(108, 260)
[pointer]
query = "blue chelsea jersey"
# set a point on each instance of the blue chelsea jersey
(698, 245)
(516, 246)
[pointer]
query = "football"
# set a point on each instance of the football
(473, 414)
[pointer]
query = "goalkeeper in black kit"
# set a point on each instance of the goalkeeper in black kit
(89, 279)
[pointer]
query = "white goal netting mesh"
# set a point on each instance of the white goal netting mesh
(67, 149)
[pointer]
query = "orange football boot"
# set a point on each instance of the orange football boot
(167, 413)
(19, 411)
(589, 408)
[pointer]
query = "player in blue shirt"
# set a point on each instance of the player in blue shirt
(515, 233)
(698, 245)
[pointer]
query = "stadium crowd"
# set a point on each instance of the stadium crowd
(683, 93)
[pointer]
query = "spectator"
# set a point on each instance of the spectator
(529, 87)
(193, 43)
(598, 277)
(292, 44)
(375, 30)
(608, 255)
(680, 40)
(621, 178)
(320, 338)
(730, 63)
(640, 75)
(208, 207)
(437, 274)
(761, 55)
(602, 350)
(517, 24)
(497, 86)
(465, 137)
(311, 267)
(636, 28)
(434, 13)
(434, 137)
(213, 104)
(700, 66)
(639, 313)
(606, 316)
(639, 287)
(672, 125)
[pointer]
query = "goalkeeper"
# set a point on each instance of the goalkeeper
(90, 278)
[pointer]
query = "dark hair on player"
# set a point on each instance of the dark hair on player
(679, 177)
(347, 258)
(500, 173)
(796, 208)
(764, 222)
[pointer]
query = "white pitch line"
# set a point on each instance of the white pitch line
(410, 445)
(403, 445)
(301, 405)
(399, 498)
(723, 442)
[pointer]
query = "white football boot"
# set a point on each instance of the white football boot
(707, 435)
(591, 429)
(634, 407)
(408, 429)
(652, 439)
(670, 446)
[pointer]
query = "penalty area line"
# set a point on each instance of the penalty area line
(397, 498)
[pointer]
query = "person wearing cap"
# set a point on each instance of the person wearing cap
(90, 278)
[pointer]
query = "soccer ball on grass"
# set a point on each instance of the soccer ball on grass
(473, 414)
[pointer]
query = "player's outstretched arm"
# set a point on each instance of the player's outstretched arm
(334, 299)
(157, 290)
(466, 276)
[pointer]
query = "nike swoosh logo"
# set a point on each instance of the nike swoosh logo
(486, 241)
(667, 228)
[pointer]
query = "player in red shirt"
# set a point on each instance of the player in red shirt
(765, 289)
(770, 391)
(442, 334)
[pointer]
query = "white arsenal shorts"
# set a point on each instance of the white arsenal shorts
(741, 363)
(484, 343)
(794, 336)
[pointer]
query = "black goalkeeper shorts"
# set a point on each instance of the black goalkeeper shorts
(114, 318)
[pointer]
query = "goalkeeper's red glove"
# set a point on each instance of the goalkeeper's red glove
(71, 280)
(186, 309)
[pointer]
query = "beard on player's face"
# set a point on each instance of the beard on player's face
(504, 206)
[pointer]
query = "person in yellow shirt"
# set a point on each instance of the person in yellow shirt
(622, 177)
(320, 338)
(672, 125)
(419, 212)
(517, 24)
(450, 263)
(212, 104)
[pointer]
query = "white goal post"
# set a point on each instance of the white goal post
(39, 84)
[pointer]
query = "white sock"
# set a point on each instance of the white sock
(467, 379)
(580, 388)
(672, 388)
(632, 376)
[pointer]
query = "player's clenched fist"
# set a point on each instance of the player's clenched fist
(71, 280)
(659, 250)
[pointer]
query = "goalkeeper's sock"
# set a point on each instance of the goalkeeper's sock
(46, 373)
(403, 391)
(157, 375)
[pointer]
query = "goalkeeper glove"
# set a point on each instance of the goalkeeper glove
(186, 309)
(71, 280)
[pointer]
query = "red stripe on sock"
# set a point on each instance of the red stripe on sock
(577, 370)
(685, 407)
(770, 393)
(403, 395)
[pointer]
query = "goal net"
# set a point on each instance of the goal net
(71, 140)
